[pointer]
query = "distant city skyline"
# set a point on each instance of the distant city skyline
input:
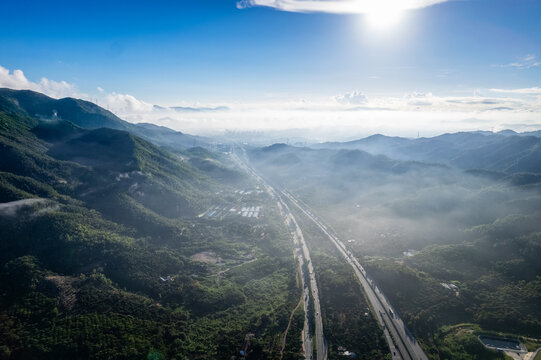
(333, 67)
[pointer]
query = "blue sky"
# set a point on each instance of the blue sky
(212, 53)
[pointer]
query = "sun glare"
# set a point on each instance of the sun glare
(383, 19)
(382, 16)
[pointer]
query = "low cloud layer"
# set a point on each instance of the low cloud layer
(338, 117)
(353, 114)
(338, 6)
(523, 91)
(353, 98)
(126, 104)
(519, 100)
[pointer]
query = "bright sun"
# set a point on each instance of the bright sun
(383, 17)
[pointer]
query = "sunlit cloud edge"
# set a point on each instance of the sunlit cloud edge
(337, 6)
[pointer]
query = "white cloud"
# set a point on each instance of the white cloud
(523, 91)
(419, 98)
(515, 100)
(338, 6)
(352, 98)
(126, 104)
(18, 81)
(354, 112)
(418, 95)
(326, 116)
(526, 62)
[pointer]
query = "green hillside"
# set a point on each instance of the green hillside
(505, 152)
(99, 229)
(88, 115)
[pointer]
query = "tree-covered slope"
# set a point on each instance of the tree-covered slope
(97, 232)
(510, 153)
(88, 115)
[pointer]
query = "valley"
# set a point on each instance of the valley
(115, 245)
(270, 180)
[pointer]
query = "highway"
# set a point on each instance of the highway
(303, 256)
(402, 344)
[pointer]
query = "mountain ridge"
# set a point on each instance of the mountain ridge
(88, 115)
(512, 153)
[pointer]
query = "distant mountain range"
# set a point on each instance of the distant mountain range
(190, 108)
(506, 151)
(347, 164)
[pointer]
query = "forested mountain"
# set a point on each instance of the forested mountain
(114, 247)
(104, 252)
(506, 152)
(88, 115)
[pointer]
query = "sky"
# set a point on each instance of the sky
(336, 68)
